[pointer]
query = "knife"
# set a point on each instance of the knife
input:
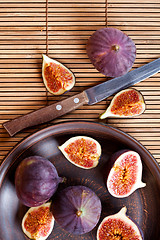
(90, 96)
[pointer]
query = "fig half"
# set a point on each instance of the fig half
(77, 209)
(82, 151)
(38, 222)
(125, 104)
(111, 52)
(125, 175)
(56, 77)
(118, 227)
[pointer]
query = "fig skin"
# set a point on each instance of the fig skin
(77, 209)
(36, 180)
(111, 51)
(85, 159)
(133, 106)
(40, 226)
(125, 175)
(119, 226)
(65, 85)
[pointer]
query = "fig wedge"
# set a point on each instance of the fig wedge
(125, 104)
(126, 174)
(56, 77)
(82, 151)
(38, 222)
(119, 226)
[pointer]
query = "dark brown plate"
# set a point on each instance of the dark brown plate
(143, 205)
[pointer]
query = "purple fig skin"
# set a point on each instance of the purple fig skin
(77, 209)
(124, 175)
(111, 51)
(36, 180)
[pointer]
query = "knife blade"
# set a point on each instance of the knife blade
(90, 96)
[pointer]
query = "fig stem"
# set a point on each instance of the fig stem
(78, 213)
(115, 48)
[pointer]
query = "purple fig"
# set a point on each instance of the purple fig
(125, 104)
(82, 151)
(119, 226)
(56, 77)
(111, 52)
(126, 173)
(77, 209)
(36, 180)
(38, 222)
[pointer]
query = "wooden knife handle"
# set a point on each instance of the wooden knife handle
(45, 114)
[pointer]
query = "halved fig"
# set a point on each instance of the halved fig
(119, 226)
(125, 104)
(126, 174)
(77, 209)
(111, 52)
(38, 222)
(56, 77)
(82, 151)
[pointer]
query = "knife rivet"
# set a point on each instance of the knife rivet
(76, 100)
(58, 107)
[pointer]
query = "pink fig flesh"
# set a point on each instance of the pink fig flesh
(82, 151)
(127, 103)
(125, 175)
(118, 227)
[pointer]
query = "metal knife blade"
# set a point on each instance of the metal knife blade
(90, 96)
(98, 93)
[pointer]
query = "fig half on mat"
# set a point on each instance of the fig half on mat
(77, 209)
(38, 222)
(119, 226)
(126, 174)
(125, 104)
(111, 52)
(82, 151)
(56, 77)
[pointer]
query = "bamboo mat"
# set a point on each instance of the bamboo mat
(24, 27)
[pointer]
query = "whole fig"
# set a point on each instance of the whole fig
(77, 209)
(36, 180)
(111, 51)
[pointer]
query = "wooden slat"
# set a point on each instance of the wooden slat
(70, 24)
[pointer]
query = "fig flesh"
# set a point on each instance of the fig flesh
(38, 222)
(111, 52)
(125, 104)
(125, 175)
(82, 151)
(36, 180)
(77, 209)
(56, 77)
(118, 227)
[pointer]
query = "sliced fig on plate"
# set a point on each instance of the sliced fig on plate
(36, 180)
(82, 151)
(118, 227)
(56, 77)
(77, 209)
(111, 52)
(126, 174)
(125, 104)
(38, 222)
